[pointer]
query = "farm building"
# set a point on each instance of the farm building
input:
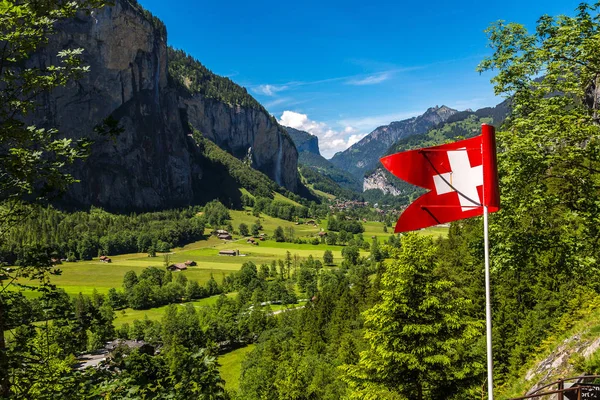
(190, 263)
(224, 236)
(177, 267)
(322, 233)
(105, 259)
(228, 253)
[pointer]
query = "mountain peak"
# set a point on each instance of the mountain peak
(364, 155)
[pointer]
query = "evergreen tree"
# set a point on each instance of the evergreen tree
(328, 257)
(278, 234)
(418, 336)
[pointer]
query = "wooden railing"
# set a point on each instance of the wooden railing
(579, 391)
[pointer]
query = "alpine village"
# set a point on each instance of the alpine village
(165, 235)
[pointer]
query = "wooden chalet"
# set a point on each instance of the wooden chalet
(177, 267)
(228, 253)
(190, 263)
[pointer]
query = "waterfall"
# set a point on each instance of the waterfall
(156, 51)
(279, 160)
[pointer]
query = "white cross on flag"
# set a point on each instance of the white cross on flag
(462, 178)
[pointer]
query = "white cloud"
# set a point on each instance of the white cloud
(331, 140)
(371, 79)
(269, 90)
(355, 139)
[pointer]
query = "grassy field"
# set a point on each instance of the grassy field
(85, 276)
(373, 228)
(128, 315)
(231, 366)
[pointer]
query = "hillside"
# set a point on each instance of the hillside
(304, 141)
(320, 172)
(364, 155)
(461, 125)
(157, 96)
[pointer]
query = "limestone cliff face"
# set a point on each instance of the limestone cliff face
(238, 129)
(154, 162)
(378, 180)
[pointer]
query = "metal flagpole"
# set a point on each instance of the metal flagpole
(488, 307)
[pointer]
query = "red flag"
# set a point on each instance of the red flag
(462, 177)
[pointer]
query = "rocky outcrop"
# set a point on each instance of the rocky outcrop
(364, 155)
(378, 180)
(154, 162)
(304, 141)
(558, 364)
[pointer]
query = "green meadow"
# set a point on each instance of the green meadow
(230, 366)
(85, 276)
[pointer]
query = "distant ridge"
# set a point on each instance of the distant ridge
(364, 155)
(464, 124)
(318, 171)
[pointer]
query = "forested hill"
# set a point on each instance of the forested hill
(319, 172)
(156, 96)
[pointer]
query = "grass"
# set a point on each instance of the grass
(231, 366)
(282, 198)
(85, 276)
(128, 315)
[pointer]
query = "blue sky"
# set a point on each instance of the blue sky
(340, 69)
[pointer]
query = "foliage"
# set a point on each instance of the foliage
(194, 77)
(328, 257)
(243, 228)
(341, 223)
(216, 214)
(278, 234)
(298, 358)
(325, 183)
(546, 236)
(419, 335)
(32, 159)
(252, 180)
(154, 288)
(93, 233)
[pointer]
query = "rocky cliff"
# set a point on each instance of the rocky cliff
(364, 155)
(154, 163)
(378, 180)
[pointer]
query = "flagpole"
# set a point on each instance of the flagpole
(488, 307)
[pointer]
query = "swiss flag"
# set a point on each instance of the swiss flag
(462, 178)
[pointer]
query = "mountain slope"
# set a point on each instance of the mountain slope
(364, 155)
(141, 84)
(463, 124)
(304, 141)
(320, 172)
